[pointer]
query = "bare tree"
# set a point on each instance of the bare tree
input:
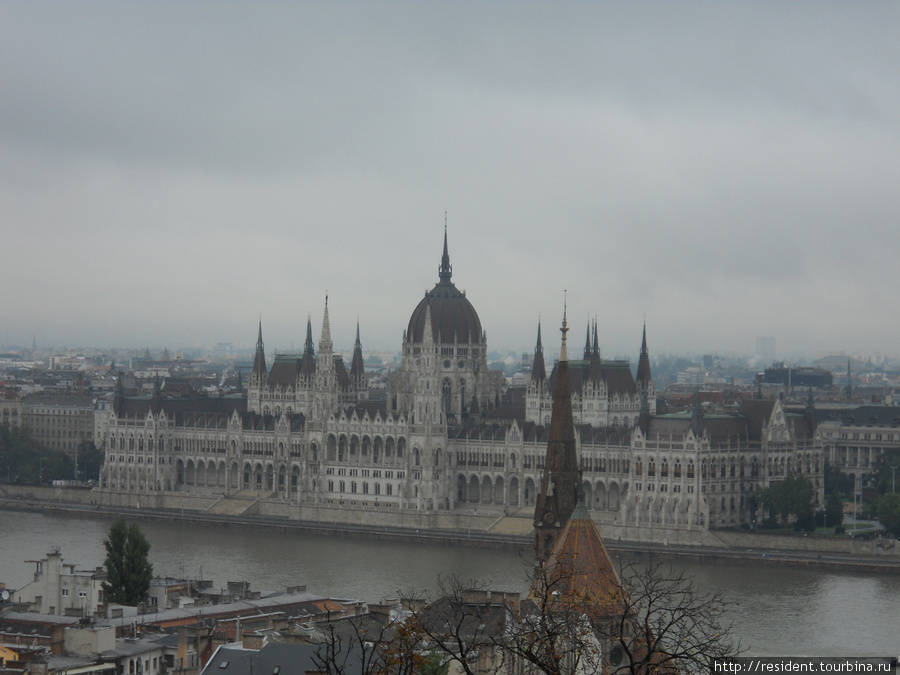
(577, 619)
(466, 625)
(554, 630)
(667, 624)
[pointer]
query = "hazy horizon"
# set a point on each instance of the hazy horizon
(172, 172)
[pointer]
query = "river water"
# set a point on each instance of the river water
(775, 611)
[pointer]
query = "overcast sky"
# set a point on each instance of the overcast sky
(172, 172)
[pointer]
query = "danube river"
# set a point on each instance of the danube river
(775, 611)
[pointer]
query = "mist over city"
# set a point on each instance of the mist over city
(171, 174)
(441, 338)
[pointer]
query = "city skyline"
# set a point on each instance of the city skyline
(170, 174)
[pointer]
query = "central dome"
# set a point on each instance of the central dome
(453, 318)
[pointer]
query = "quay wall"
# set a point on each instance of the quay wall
(466, 526)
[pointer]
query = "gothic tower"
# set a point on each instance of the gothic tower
(258, 375)
(558, 493)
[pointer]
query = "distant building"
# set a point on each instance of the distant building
(446, 433)
(59, 421)
(792, 377)
(854, 439)
(58, 588)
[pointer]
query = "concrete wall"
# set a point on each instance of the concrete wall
(88, 642)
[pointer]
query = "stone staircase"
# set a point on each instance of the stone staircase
(236, 504)
(513, 525)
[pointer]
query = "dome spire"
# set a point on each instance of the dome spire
(445, 271)
(563, 356)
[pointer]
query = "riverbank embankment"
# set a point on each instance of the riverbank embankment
(717, 547)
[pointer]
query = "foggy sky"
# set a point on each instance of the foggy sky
(172, 172)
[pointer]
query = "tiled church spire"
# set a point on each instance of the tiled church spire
(558, 494)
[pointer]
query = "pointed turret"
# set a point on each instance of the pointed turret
(810, 401)
(325, 345)
(595, 349)
(308, 363)
(357, 367)
(643, 371)
(259, 360)
(538, 369)
(428, 337)
(445, 271)
(587, 343)
(558, 493)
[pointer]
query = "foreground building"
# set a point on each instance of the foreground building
(445, 435)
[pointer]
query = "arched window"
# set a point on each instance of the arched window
(446, 396)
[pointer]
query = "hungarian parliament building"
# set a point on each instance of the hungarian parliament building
(448, 433)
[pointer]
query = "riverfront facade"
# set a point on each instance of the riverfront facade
(449, 434)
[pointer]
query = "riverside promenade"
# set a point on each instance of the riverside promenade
(510, 532)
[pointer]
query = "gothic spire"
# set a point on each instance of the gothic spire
(596, 348)
(308, 347)
(445, 271)
(558, 493)
(587, 341)
(259, 360)
(643, 371)
(538, 369)
(325, 340)
(428, 334)
(308, 363)
(357, 367)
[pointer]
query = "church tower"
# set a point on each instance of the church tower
(558, 493)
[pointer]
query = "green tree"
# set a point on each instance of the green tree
(791, 498)
(835, 479)
(886, 475)
(834, 509)
(128, 569)
(889, 512)
(23, 460)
